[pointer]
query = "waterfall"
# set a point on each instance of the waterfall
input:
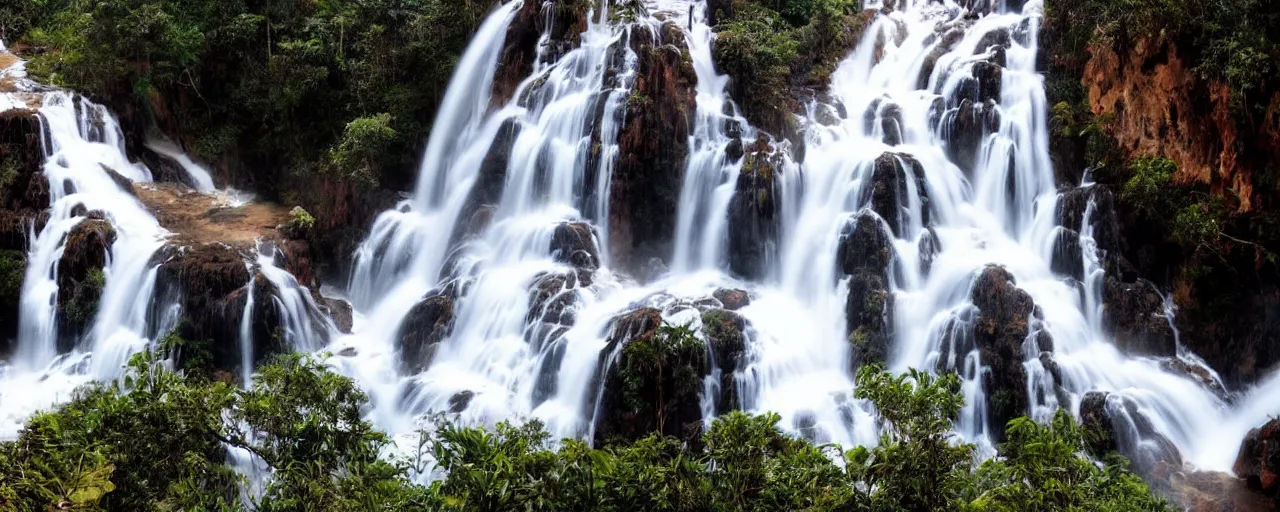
(920, 227)
(83, 147)
(948, 105)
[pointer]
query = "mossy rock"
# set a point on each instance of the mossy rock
(13, 269)
(655, 384)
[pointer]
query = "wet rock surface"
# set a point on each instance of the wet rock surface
(999, 329)
(1135, 313)
(655, 382)
(1258, 462)
(726, 332)
(865, 253)
(1118, 426)
(211, 284)
(889, 193)
(81, 278)
(754, 215)
(653, 144)
(424, 328)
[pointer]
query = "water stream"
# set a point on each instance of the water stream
(504, 181)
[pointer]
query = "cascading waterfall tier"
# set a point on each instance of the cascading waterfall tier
(922, 229)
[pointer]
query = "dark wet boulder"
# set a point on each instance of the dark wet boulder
(212, 284)
(1258, 461)
(893, 178)
(726, 332)
(490, 181)
(1068, 256)
(988, 76)
(574, 243)
(929, 247)
(1135, 314)
(944, 44)
(1072, 208)
(81, 277)
(424, 328)
(865, 255)
(886, 116)
(732, 300)
(754, 216)
(564, 19)
(1215, 491)
(24, 194)
(1117, 425)
(460, 400)
(13, 268)
(965, 129)
(1001, 327)
(340, 311)
(653, 143)
(1199, 373)
(653, 380)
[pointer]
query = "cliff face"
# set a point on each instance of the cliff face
(1139, 96)
(1153, 103)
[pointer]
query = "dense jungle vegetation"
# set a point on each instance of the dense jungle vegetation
(157, 441)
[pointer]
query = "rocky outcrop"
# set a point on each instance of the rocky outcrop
(865, 253)
(965, 127)
(212, 283)
(1158, 105)
(1135, 314)
(754, 217)
(1118, 426)
(574, 243)
(1258, 462)
(655, 381)
(426, 325)
(726, 333)
(893, 179)
(653, 144)
(565, 19)
(1072, 207)
(999, 331)
(81, 278)
(732, 300)
(1213, 491)
(24, 197)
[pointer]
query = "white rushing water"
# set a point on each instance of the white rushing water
(83, 145)
(541, 161)
(997, 209)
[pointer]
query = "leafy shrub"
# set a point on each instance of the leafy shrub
(156, 442)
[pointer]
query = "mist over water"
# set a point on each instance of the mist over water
(505, 182)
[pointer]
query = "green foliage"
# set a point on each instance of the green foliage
(1233, 41)
(157, 442)
(362, 144)
(1040, 469)
(270, 83)
(663, 372)
(123, 446)
(1149, 186)
(916, 466)
(745, 463)
(300, 223)
(13, 269)
(83, 304)
(768, 45)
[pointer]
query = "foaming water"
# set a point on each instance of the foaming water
(83, 147)
(919, 82)
(509, 227)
